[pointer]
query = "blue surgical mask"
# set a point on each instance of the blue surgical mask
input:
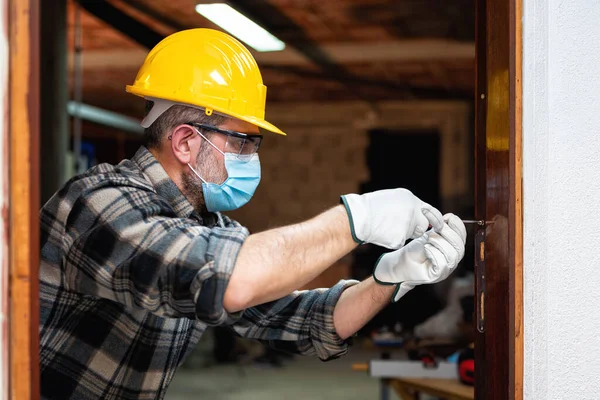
(243, 179)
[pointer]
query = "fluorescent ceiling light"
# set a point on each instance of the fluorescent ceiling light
(240, 26)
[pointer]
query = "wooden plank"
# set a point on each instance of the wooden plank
(401, 390)
(24, 198)
(4, 202)
(398, 51)
(516, 344)
(445, 388)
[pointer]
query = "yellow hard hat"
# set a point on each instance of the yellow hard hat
(208, 69)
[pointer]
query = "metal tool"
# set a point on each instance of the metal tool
(480, 222)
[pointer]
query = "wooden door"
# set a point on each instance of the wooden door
(498, 347)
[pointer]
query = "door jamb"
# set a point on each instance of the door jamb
(24, 184)
(512, 15)
(516, 339)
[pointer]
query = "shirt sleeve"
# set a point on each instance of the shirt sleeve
(147, 257)
(300, 323)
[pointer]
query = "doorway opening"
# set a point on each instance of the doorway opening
(496, 90)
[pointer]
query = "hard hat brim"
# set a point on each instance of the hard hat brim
(261, 123)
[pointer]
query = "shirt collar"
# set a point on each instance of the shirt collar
(163, 184)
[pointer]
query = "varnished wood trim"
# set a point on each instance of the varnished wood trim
(480, 100)
(499, 351)
(516, 205)
(4, 206)
(24, 198)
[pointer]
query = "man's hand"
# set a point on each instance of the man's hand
(389, 217)
(428, 259)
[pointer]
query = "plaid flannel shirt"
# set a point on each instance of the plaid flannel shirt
(131, 276)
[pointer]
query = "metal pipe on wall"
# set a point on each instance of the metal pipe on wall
(104, 117)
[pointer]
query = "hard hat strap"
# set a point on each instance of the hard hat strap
(158, 108)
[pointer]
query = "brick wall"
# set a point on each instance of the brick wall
(304, 174)
(323, 157)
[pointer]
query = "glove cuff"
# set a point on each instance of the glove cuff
(348, 201)
(401, 290)
(381, 260)
(384, 269)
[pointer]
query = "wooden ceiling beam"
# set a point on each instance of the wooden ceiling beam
(273, 20)
(122, 22)
(410, 50)
(147, 15)
(288, 31)
(417, 91)
(277, 23)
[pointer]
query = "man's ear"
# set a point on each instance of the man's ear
(185, 143)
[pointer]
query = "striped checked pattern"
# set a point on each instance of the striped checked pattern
(130, 278)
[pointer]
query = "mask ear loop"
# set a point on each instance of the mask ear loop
(197, 174)
(209, 142)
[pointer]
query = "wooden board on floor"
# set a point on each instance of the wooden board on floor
(446, 388)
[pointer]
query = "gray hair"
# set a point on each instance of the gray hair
(174, 116)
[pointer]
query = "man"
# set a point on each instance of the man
(137, 260)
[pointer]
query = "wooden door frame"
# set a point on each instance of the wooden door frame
(24, 196)
(498, 131)
(516, 337)
(24, 184)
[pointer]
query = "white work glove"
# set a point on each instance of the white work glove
(428, 259)
(389, 217)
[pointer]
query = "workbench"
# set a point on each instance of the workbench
(448, 389)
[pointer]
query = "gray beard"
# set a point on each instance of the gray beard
(209, 169)
(192, 187)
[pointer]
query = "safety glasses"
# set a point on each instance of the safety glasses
(241, 144)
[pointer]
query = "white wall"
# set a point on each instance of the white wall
(561, 156)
